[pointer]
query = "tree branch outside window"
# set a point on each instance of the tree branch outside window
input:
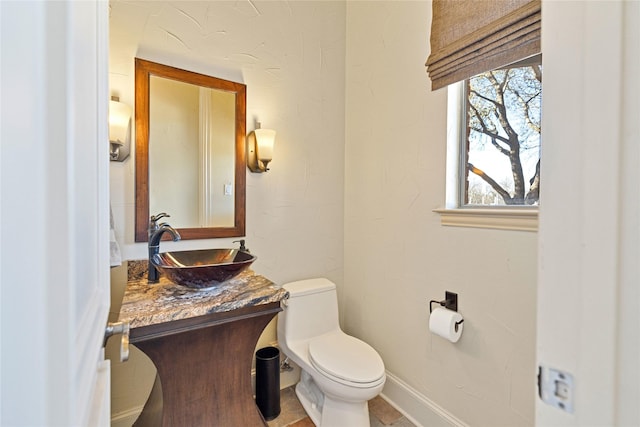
(502, 149)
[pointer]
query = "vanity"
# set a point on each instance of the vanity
(202, 343)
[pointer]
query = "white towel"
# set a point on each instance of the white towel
(115, 258)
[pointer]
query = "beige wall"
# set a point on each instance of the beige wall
(291, 57)
(398, 256)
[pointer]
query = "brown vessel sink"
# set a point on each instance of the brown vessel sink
(204, 268)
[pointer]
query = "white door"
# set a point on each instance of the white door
(589, 233)
(54, 213)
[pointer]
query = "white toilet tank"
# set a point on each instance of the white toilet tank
(311, 310)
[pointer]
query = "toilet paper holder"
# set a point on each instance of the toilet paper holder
(449, 302)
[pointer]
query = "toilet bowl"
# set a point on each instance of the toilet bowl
(339, 373)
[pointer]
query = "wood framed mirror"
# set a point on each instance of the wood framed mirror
(190, 152)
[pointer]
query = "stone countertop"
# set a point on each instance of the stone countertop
(147, 304)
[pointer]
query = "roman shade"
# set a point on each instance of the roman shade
(469, 37)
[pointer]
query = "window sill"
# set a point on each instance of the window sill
(500, 219)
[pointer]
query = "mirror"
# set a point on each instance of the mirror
(190, 151)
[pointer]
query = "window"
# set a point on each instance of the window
(493, 149)
(497, 110)
(500, 147)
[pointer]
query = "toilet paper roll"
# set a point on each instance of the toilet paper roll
(443, 322)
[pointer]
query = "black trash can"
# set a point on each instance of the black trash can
(268, 382)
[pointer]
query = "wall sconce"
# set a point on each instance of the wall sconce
(119, 130)
(260, 149)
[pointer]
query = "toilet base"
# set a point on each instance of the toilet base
(325, 411)
(310, 407)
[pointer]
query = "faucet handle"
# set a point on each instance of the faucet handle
(155, 218)
(153, 222)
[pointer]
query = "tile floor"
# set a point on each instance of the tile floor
(292, 414)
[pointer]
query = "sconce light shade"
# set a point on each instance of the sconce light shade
(119, 130)
(260, 150)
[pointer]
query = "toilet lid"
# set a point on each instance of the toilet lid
(346, 358)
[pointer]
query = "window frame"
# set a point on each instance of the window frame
(455, 213)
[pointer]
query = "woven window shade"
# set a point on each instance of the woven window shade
(469, 37)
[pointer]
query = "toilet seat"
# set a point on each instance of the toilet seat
(346, 360)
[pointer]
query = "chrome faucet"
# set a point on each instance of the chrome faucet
(155, 235)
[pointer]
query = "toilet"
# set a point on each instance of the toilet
(339, 373)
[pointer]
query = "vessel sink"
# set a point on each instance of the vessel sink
(204, 268)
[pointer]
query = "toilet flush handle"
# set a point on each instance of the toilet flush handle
(119, 328)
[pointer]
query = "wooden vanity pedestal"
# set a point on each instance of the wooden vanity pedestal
(204, 365)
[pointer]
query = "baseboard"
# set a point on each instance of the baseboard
(418, 409)
(126, 418)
